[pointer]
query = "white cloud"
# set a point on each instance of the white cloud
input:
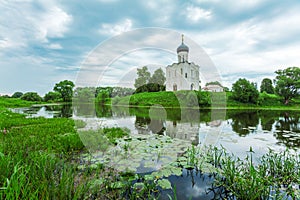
(116, 29)
(23, 26)
(23, 22)
(194, 13)
(255, 48)
(52, 24)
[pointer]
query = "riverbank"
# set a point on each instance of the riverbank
(202, 100)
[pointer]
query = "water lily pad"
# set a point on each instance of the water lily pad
(177, 171)
(149, 177)
(138, 186)
(164, 184)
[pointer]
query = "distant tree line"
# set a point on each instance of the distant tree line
(64, 92)
(287, 86)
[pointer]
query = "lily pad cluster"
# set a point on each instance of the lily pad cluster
(139, 153)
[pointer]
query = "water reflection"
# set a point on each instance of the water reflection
(189, 124)
(242, 120)
(193, 185)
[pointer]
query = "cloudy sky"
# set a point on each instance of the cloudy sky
(44, 42)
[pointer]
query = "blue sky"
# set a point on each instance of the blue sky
(44, 42)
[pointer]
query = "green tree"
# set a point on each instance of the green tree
(17, 95)
(122, 91)
(107, 89)
(267, 86)
(85, 94)
(158, 77)
(65, 88)
(244, 91)
(31, 96)
(288, 83)
(52, 96)
(102, 97)
(143, 77)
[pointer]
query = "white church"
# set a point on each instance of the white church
(183, 75)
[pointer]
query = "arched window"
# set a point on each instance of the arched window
(185, 75)
(192, 86)
(181, 71)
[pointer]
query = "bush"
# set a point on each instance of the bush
(204, 98)
(17, 95)
(53, 96)
(244, 91)
(31, 96)
(266, 99)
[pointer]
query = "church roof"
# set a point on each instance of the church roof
(182, 47)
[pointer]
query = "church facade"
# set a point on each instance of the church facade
(183, 75)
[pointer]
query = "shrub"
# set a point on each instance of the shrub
(31, 96)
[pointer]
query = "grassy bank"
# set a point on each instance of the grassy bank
(203, 100)
(15, 102)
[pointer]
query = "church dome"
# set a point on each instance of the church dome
(182, 47)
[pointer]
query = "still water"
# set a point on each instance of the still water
(236, 130)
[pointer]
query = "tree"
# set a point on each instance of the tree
(288, 83)
(158, 77)
(244, 91)
(31, 96)
(85, 94)
(17, 95)
(102, 97)
(267, 86)
(143, 77)
(65, 88)
(122, 91)
(52, 96)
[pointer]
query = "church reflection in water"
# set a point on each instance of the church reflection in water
(197, 126)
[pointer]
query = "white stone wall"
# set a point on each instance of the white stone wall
(214, 88)
(184, 75)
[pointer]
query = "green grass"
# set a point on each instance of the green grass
(38, 160)
(204, 99)
(34, 155)
(15, 102)
(275, 174)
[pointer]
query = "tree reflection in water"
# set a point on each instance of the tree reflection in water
(186, 123)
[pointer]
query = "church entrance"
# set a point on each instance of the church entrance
(174, 87)
(192, 86)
